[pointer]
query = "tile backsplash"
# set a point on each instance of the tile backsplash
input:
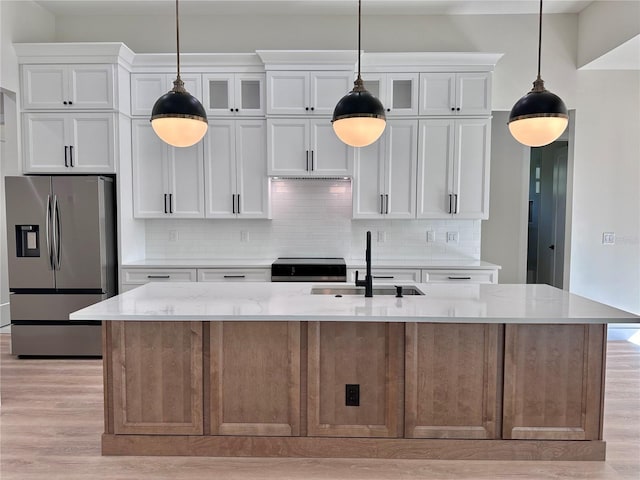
(311, 217)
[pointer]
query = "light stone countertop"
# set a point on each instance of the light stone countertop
(351, 263)
(264, 301)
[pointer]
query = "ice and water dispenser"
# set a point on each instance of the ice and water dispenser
(28, 240)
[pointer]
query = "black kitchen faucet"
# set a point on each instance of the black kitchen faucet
(367, 283)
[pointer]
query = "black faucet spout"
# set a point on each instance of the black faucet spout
(367, 283)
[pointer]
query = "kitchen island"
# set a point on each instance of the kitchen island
(270, 369)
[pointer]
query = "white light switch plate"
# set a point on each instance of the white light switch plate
(452, 237)
(431, 236)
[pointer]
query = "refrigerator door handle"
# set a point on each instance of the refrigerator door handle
(56, 231)
(47, 228)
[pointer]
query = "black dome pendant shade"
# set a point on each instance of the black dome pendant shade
(359, 118)
(540, 117)
(177, 117)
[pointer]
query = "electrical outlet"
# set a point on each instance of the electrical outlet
(173, 235)
(244, 236)
(431, 236)
(608, 238)
(382, 236)
(352, 395)
(452, 237)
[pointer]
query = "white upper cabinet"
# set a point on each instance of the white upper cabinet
(167, 181)
(236, 180)
(398, 92)
(68, 87)
(455, 93)
(146, 88)
(306, 147)
(229, 94)
(453, 168)
(384, 176)
(69, 142)
(306, 93)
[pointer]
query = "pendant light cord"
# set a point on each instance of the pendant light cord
(539, 38)
(359, 33)
(177, 39)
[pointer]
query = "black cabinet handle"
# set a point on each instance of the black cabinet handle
(458, 109)
(388, 277)
(70, 102)
(388, 109)
(306, 108)
(158, 276)
(381, 204)
(459, 278)
(307, 160)
(65, 102)
(238, 196)
(455, 203)
(450, 203)
(165, 203)
(453, 109)
(231, 109)
(233, 203)
(386, 203)
(66, 152)
(71, 155)
(234, 276)
(171, 203)
(312, 168)
(312, 109)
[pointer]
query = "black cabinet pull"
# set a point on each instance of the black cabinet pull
(450, 203)
(307, 160)
(158, 276)
(165, 203)
(458, 109)
(306, 108)
(237, 110)
(70, 102)
(387, 277)
(388, 109)
(231, 109)
(66, 152)
(234, 276)
(455, 204)
(386, 203)
(65, 102)
(312, 109)
(312, 168)
(71, 155)
(381, 204)
(233, 203)
(171, 203)
(453, 109)
(238, 195)
(459, 278)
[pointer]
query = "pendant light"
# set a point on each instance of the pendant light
(178, 118)
(359, 118)
(540, 117)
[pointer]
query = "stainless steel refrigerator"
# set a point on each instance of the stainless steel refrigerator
(62, 257)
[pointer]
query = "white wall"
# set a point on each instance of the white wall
(594, 40)
(504, 235)
(514, 35)
(606, 188)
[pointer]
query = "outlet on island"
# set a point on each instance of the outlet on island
(352, 395)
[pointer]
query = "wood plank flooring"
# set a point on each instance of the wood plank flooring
(51, 420)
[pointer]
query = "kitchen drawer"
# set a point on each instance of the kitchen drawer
(140, 276)
(459, 276)
(234, 275)
(386, 275)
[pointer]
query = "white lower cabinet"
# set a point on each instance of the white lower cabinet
(236, 181)
(234, 274)
(167, 181)
(134, 277)
(386, 275)
(384, 174)
(460, 276)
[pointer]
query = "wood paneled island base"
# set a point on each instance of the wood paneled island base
(314, 447)
(481, 391)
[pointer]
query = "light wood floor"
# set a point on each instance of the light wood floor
(51, 420)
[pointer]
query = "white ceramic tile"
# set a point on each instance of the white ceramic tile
(311, 218)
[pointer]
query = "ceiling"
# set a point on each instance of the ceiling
(305, 7)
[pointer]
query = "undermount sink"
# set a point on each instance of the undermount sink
(352, 290)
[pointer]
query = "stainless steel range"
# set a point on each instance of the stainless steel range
(301, 269)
